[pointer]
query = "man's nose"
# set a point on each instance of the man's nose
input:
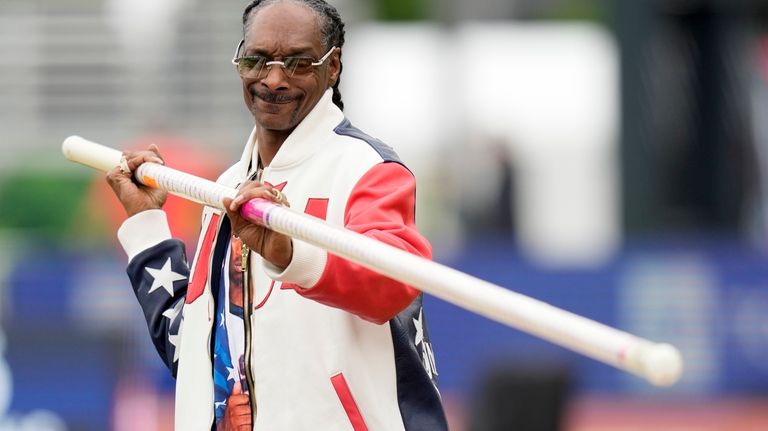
(276, 77)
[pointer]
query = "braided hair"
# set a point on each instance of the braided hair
(331, 28)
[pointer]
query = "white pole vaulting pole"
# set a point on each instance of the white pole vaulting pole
(661, 364)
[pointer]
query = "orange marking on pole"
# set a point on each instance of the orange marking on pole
(149, 181)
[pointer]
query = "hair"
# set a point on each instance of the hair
(331, 28)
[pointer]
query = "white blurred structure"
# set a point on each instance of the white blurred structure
(549, 90)
(145, 27)
(437, 94)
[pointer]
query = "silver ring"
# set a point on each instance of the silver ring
(124, 165)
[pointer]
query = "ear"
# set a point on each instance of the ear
(334, 67)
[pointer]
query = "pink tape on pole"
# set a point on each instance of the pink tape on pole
(257, 211)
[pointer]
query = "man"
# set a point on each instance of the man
(271, 332)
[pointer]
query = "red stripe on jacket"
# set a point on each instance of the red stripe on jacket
(348, 402)
(380, 206)
(200, 276)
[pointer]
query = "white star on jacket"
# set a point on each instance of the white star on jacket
(164, 277)
(171, 313)
(426, 350)
(419, 329)
(174, 339)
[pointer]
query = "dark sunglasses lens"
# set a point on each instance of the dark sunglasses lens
(298, 65)
(248, 66)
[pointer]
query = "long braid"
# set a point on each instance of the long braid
(332, 29)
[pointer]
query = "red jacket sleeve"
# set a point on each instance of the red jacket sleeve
(381, 206)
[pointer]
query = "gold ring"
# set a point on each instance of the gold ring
(124, 165)
(280, 197)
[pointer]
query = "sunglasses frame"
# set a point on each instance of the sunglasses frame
(270, 63)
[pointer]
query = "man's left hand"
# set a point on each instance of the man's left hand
(272, 246)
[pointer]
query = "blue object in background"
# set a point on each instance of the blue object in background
(56, 365)
(73, 327)
(709, 298)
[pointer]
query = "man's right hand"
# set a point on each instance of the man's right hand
(136, 197)
(237, 416)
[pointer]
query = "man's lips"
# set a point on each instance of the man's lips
(277, 99)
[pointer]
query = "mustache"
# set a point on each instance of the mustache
(270, 97)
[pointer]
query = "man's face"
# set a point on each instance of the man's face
(277, 101)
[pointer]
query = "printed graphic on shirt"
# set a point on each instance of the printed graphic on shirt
(235, 272)
(229, 343)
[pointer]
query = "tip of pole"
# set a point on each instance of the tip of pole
(663, 364)
(68, 144)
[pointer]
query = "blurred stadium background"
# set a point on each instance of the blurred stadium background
(609, 157)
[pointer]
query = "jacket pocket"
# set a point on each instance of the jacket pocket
(348, 402)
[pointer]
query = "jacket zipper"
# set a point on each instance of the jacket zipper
(248, 314)
(245, 255)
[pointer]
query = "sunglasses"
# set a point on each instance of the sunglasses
(258, 66)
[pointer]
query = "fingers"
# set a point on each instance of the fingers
(279, 197)
(257, 237)
(234, 214)
(134, 159)
(247, 191)
(241, 226)
(117, 179)
(155, 149)
(253, 189)
(133, 196)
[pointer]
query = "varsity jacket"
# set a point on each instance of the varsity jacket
(335, 346)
